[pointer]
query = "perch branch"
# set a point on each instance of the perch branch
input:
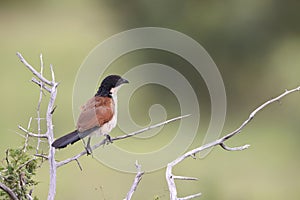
(104, 141)
(10, 193)
(170, 177)
(137, 179)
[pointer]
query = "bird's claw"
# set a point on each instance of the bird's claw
(88, 147)
(108, 139)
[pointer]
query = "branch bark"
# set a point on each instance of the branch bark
(137, 179)
(52, 89)
(169, 175)
(10, 193)
(36, 73)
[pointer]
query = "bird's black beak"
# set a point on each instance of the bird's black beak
(122, 81)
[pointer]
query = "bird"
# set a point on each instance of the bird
(98, 114)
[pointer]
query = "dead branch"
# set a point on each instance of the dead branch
(104, 141)
(169, 175)
(52, 89)
(32, 134)
(36, 73)
(137, 179)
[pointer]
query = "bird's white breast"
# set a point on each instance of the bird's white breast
(107, 127)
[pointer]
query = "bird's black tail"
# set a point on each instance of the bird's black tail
(65, 140)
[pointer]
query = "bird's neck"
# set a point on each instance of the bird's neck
(103, 92)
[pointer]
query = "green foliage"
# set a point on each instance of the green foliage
(17, 172)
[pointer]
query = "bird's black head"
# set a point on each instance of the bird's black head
(109, 83)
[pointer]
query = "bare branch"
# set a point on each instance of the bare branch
(190, 197)
(52, 73)
(39, 83)
(49, 133)
(29, 197)
(185, 178)
(42, 64)
(78, 163)
(66, 161)
(39, 105)
(10, 193)
(104, 141)
(136, 181)
(37, 74)
(32, 134)
(191, 153)
(27, 135)
(149, 128)
(246, 146)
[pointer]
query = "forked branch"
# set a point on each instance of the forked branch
(221, 142)
(52, 89)
(137, 180)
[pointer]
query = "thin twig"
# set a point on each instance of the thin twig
(190, 196)
(104, 141)
(39, 83)
(191, 153)
(227, 148)
(32, 134)
(149, 128)
(27, 135)
(78, 163)
(39, 105)
(137, 179)
(185, 178)
(36, 73)
(52, 73)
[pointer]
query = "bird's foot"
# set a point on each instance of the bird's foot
(88, 147)
(108, 139)
(88, 150)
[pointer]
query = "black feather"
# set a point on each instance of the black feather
(71, 138)
(65, 140)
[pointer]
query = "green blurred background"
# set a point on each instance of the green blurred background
(255, 44)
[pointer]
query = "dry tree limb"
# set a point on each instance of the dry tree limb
(137, 180)
(169, 175)
(36, 73)
(52, 89)
(104, 141)
(32, 134)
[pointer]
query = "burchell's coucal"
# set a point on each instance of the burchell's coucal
(99, 114)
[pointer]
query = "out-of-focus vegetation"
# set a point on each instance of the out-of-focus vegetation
(18, 173)
(255, 45)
